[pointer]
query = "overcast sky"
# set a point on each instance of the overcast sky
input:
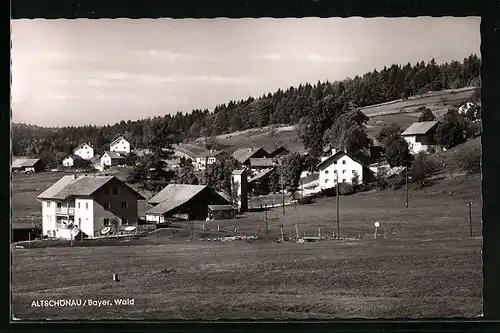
(75, 72)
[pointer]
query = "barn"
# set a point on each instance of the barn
(183, 202)
(221, 212)
(27, 165)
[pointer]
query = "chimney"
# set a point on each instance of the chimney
(239, 179)
(334, 151)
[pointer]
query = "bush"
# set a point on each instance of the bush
(468, 160)
(346, 189)
(421, 169)
(396, 182)
(305, 200)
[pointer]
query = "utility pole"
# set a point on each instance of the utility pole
(302, 189)
(470, 218)
(282, 187)
(406, 168)
(338, 213)
(267, 224)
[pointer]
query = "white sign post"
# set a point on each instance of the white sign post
(376, 229)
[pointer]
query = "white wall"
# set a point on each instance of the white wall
(86, 152)
(155, 218)
(414, 146)
(84, 210)
(121, 145)
(68, 162)
(48, 218)
(327, 176)
(105, 160)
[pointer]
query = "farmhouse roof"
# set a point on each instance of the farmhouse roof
(175, 195)
(221, 207)
(278, 150)
(24, 162)
(336, 156)
(211, 153)
(260, 174)
(419, 128)
(261, 162)
(117, 139)
(243, 154)
(81, 145)
(114, 155)
(224, 195)
(85, 185)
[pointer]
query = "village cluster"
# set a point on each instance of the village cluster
(86, 204)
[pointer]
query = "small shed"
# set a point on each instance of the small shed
(27, 164)
(221, 212)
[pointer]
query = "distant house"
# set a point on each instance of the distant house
(87, 204)
(379, 167)
(85, 151)
(183, 202)
(420, 136)
(95, 162)
(20, 164)
(259, 164)
(259, 184)
(279, 152)
(71, 161)
(210, 157)
(120, 145)
(340, 165)
(243, 155)
(111, 158)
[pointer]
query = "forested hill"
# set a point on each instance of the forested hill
(306, 104)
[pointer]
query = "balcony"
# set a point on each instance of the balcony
(65, 211)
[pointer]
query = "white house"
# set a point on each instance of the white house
(209, 157)
(111, 158)
(87, 204)
(420, 136)
(343, 167)
(120, 145)
(72, 161)
(85, 151)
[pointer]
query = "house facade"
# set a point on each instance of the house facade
(341, 167)
(209, 158)
(85, 151)
(87, 204)
(120, 145)
(73, 161)
(420, 136)
(111, 158)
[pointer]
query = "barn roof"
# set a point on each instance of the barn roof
(225, 196)
(221, 207)
(80, 186)
(261, 162)
(243, 154)
(420, 128)
(173, 196)
(24, 162)
(260, 174)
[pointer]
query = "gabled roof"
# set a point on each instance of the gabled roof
(278, 150)
(24, 162)
(114, 155)
(224, 196)
(261, 162)
(221, 207)
(419, 128)
(336, 156)
(74, 157)
(260, 175)
(85, 185)
(118, 139)
(81, 145)
(212, 153)
(175, 195)
(243, 154)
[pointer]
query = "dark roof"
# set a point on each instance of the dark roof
(278, 150)
(261, 162)
(117, 139)
(336, 156)
(24, 162)
(114, 155)
(211, 153)
(75, 157)
(221, 207)
(420, 128)
(243, 154)
(85, 185)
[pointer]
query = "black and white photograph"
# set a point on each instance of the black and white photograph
(260, 168)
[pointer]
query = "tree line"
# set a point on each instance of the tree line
(319, 109)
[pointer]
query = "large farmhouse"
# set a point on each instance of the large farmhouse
(209, 157)
(87, 203)
(20, 164)
(120, 145)
(420, 136)
(85, 151)
(342, 167)
(183, 202)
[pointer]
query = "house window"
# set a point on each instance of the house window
(353, 172)
(86, 205)
(58, 205)
(106, 222)
(106, 191)
(326, 181)
(48, 204)
(343, 171)
(334, 162)
(115, 190)
(334, 171)
(124, 204)
(343, 180)
(343, 162)
(106, 205)
(124, 221)
(326, 172)
(78, 205)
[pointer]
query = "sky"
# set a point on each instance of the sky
(97, 72)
